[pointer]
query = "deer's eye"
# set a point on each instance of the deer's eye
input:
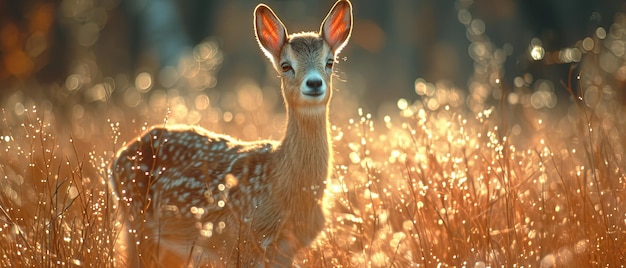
(329, 63)
(286, 67)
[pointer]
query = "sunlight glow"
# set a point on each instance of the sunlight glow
(443, 176)
(537, 53)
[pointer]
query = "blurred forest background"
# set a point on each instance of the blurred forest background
(100, 51)
(499, 123)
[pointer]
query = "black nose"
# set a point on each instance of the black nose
(314, 84)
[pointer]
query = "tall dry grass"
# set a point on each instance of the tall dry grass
(431, 188)
(56, 210)
(441, 188)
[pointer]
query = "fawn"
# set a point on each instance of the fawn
(191, 197)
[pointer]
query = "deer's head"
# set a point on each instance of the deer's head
(304, 61)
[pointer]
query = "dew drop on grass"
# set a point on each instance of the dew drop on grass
(355, 158)
(407, 225)
(77, 262)
(548, 261)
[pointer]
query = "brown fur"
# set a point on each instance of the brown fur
(190, 196)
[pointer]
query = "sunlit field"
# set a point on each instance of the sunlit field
(484, 176)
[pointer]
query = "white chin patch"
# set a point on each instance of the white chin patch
(308, 99)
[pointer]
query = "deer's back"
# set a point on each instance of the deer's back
(190, 185)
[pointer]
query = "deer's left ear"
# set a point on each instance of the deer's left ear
(337, 25)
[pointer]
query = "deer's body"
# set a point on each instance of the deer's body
(191, 196)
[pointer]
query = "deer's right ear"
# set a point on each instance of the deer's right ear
(270, 31)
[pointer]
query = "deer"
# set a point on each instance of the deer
(190, 197)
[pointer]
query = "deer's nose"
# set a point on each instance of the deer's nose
(314, 83)
(315, 87)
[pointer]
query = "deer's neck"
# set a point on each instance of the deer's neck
(304, 155)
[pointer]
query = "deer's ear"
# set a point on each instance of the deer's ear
(270, 31)
(337, 25)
